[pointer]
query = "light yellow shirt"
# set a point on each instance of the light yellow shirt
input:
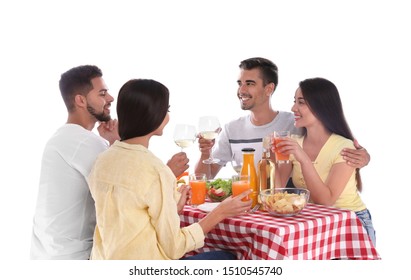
(329, 155)
(136, 207)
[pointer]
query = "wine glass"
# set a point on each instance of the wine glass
(184, 135)
(236, 163)
(209, 127)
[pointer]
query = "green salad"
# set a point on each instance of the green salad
(219, 189)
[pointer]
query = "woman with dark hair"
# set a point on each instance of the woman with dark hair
(135, 194)
(316, 161)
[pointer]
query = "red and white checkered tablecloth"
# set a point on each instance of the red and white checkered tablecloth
(317, 233)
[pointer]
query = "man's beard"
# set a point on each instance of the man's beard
(246, 107)
(243, 107)
(101, 117)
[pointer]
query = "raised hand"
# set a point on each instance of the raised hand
(109, 130)
(178, 163)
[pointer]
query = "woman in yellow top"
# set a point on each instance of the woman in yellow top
(316, 162)
(135, 193)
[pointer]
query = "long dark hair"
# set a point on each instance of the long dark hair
(324, 101)
(142, 105)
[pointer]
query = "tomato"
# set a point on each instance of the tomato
(217, 192)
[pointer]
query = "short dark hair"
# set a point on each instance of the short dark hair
(323, 99)
(268, 69)
(142, 105)
(77, 80)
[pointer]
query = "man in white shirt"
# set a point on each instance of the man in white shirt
(65, 218)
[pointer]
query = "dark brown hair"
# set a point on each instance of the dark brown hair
(324, 101)
(142, 105)
(268, 69)
(77, 80)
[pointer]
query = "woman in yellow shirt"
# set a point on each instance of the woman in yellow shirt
(135, 192)
(316, 161)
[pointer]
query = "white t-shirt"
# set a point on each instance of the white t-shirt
(64, 219)
(242, 133)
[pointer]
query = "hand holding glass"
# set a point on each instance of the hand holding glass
(209, 127)
(240, 184)
(184, 135)
(278, 137)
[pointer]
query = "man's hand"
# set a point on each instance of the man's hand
(357, 157)
(109, 131)
(205, 146)
(178, 163)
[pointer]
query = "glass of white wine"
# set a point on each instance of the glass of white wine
(209, 128)
(184, 135)
(237, 163)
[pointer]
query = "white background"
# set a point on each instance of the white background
(194, 48)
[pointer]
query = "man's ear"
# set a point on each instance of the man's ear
(270, 89)
(80, 101)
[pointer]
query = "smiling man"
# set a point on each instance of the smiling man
(258, 79)
(64, 219)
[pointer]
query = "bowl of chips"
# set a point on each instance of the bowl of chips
(284, 202)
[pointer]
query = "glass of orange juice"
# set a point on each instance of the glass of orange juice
(241, 183)
(198, 187)
(278, 137)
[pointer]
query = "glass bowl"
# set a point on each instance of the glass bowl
(284, 202)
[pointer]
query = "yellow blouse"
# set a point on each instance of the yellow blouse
(136, 207)
(329, 155)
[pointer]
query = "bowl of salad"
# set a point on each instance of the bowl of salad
(218, 189)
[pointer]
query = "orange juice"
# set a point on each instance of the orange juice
(198, 192)
(239, 187)
(280, 156)
(250, 172)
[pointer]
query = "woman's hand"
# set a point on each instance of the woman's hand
(178, 163)
(184, 198)
(233, 206)
(290, 146)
